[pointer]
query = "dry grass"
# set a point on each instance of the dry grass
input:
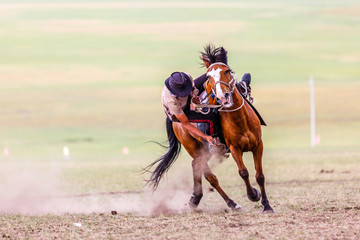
(315, 196)
(307, 216)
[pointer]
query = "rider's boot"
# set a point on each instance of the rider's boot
(244, 86)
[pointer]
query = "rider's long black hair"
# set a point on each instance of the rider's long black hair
(165, 161)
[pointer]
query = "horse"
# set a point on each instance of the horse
(241, 130)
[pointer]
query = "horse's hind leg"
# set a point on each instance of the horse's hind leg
(212, 179)
(197, 174)
(260, 178)
(196, 150)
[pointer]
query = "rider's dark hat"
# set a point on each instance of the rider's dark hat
(179, 84)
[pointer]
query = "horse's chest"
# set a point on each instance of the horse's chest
(245, 141)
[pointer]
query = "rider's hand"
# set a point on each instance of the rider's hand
(196, 100)
(210, 140)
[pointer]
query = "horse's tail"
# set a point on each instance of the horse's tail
(165, 161)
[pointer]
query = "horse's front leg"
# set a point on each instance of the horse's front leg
(198, 192)
(252, 194)
(260, 178)
(212, 179)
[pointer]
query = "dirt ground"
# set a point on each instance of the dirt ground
(330, 224)
(321, 213)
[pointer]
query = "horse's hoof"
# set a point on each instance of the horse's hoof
(256, 197)
(237, 208)
(192, 205)
(268, 210)
(195, 200)
(234, 206)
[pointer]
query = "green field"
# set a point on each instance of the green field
(89, 76)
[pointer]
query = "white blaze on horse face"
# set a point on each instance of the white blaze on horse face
(215, 74)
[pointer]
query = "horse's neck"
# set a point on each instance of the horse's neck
(240, 125)
(242, 115)
(240, 101)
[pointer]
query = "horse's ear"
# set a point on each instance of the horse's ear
(206, 60)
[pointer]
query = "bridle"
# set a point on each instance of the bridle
(231, 85)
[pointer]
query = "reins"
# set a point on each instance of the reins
(233, 110)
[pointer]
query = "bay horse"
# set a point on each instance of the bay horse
(241, 130)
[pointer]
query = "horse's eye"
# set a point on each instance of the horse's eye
(227, 71)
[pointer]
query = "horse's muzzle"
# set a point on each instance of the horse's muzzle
(227, 100)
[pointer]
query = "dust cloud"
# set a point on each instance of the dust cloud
(31, 190)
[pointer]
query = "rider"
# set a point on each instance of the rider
(177, 93)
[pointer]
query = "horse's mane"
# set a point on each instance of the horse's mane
(212, 54)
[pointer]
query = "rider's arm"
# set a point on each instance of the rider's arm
(199, 82)
(192, 129)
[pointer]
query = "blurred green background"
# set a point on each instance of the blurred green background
(89, 74)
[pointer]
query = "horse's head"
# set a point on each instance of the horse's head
(219, 74)
(222, 83)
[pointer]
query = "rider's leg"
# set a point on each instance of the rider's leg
(244, 86)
